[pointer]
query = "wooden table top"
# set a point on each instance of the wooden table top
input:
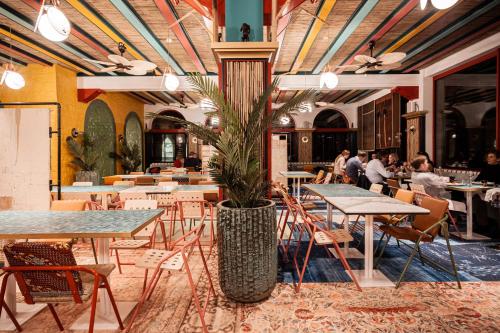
(16, 224)
(297, 174)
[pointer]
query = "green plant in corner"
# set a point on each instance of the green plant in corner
(129, 156)
(236, 165)
(84, 156)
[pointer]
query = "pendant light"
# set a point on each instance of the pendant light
(12, 79)
(328, 79)
(170, 80)
(438, 4)
(52, 23)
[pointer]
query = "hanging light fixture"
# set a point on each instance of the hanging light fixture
(328, 79)
(12, 79)
(171, 82)
(423, 4)
(52, 23)
(438, 4)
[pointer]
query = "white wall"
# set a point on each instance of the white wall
(25, 157)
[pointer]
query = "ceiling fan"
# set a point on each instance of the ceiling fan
(120, 64)
(366, 63)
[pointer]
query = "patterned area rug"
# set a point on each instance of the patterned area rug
(339, 307)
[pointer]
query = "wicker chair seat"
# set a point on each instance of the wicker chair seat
(151, 258)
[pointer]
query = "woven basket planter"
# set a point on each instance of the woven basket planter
(247, 248)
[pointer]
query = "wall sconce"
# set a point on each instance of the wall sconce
(75, 132)
(305, 139)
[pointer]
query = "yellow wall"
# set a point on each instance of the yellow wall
(56, 83)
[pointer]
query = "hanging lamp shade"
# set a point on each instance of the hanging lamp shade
(13, 79)
(171, 82)
(328, 79)
(443, 4)
(53, 24)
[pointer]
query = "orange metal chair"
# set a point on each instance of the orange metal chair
(176, 260)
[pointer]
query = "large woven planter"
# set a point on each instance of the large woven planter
(248, 256)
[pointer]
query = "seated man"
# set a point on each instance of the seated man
(433, 184)
(375, 170)
(354, 166)
(192, 161)
(491, 171)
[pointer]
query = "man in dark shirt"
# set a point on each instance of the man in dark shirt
(354, 166)
(491, 171)
(192, 161)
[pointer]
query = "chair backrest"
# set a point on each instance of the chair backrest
(419, 191)
(319, 176)
(145, 180)
(191, 209)
(124, 183)
(328, 178)
(376, 188)
(137, 173)
(193, 181)
(165, 179)
(168, 183)
(109, 180)
(85, 196)
(393, 183)
(405, 196)
(68, 205)
(437, 208)
(35, 283)
(124, 196)
(82, 184)
(164, 199)
(140, 204)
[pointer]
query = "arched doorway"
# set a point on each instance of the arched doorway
(331, 136)
(133, 132)
(100, 126)
(166, 140)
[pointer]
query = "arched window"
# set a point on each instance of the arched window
(163, 124)
(330, 118)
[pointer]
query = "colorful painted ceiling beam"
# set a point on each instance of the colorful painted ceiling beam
(338, 95)
(346, 97)
(134, 19)
(170, 15)
(324, 9)
(7, 58)
(461, 22)
(202, 10)
(448, 49)
(362, 11)
(141, 98)
(26, 23)
(20, 53)
(38, 47)
(90, 14)
(397, 15)
(77, 32)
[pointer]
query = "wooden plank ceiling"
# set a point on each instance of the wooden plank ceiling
(313, 34)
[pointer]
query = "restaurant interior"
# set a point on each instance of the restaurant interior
(249, 166)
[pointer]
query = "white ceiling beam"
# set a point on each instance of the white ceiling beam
(287, 82)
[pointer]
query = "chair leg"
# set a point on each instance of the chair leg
(56, 317)
(206, 268)
(118, 261)
(12, 317)
(284, 225)
(454, 222)
(195, 295)
(304, 265)
(113, 303)
(346, 265)
(446, 236)
(163, 234)
(155, 282)
(4, 305)
(420, 255)
(93, 250)
(407, 265)
(375, 264)
(93, 305)
(145, 280)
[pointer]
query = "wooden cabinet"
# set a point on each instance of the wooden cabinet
(379, 124)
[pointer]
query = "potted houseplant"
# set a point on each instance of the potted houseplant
(246, 221)
(84, 158)
(129, 156)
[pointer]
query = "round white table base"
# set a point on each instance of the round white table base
(378, 279)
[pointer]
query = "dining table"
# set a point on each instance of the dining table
(101, 225)
(340, 190)
(369, 207)
(171, 189)
(103, 190)
(296, 176)
(469, 190)
(174, 176)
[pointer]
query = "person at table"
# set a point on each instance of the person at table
(434, 185)
(429, 161)
(394, 163)
(375, 169)
(179, 162)
(192, 161)
(354, 166)
(491, 171)
(340, 162)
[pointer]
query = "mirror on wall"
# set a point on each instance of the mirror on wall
(466, 115)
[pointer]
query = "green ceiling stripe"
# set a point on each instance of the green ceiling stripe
(351, 26)
(133, 18)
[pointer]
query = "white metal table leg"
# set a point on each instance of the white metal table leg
(470, 235)
(298, 190)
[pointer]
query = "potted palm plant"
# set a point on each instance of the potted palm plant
(129, 156)
(84, 158)
(246, 221)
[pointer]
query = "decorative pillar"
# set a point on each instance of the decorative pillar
(305, 144)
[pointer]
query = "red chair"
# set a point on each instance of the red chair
(176, 260)
(48, 273)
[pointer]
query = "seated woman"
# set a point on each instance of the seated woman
(434, 185)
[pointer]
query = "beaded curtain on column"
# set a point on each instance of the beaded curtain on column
(245, 80)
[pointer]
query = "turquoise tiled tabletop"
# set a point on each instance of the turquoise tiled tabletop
(90, 189)
(170, 189)
(59, 224)
(173, 176)
(339, 190)
(297, 174)
(202, 188)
